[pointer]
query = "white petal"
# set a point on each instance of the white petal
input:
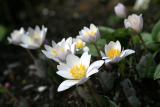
(67, 84)
(102, 54)
(71, 60)
(85, 49)
(127, 52)
(91, 72)
(85, 59)
(47, 54)
(65, 74)
(117, 45)
(53, 43)
(63, 66)
(115, 60)
(82, 81)
(48, 48)
(109, 46)
(95, 65)
(107, 61)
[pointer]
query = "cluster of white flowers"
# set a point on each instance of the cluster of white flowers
(30, 39)
(77, 70)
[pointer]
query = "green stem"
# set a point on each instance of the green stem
(144, 45)
(31, 55)
(98, 51)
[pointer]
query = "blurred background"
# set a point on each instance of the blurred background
(63, 18)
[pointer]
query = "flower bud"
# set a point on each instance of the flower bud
(135, 22)
(120, 10)
(141, 5)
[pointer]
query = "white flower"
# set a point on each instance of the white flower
(141, 4)
(120, 10)
(113, 52)
(16, 36)
(80, 45)
(77, 70)
(135, 22)
(89, 34)
(33, 38)
(59, 51)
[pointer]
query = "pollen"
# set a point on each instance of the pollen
(91, 33)
(36, 37)
(78, 71)
(113, 53)
(58, 51)
(80, 44)
(54, 53)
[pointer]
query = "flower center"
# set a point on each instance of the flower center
(80, 44)
(91, 33)
(113, 53)
(78, 71)
(36, 37)
(57, 52)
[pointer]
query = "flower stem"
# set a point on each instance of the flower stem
(98, 51)
(31, 55)
(144, 45)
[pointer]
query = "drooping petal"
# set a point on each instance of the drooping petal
(67, 84)
(95, 65)
(107, 61)
(91, 72)
(127, 52)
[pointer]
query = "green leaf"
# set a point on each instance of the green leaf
(100, 44)
(150, 43)
(3, 32)
(92, 50)
(146, 66)
(106, 33)
(156, 32)
(157, 73)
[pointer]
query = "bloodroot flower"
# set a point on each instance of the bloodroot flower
(89, 34)
(16, 36)
(80, 45)
(113, 52)
(77, 70)
(33, 38)
(135, 22)
(120, 10)
(59, 51)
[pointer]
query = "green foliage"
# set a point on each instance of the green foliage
(3, 32)
(156, 32)
(150, 43)
(100, 44)
(157, 73)
(112, 35)
(146, 66)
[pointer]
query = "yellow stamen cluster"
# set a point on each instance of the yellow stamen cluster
(80, 44)
(113, 53)
(90, 33)
(57, 52)
(36, 37)
(78, 71)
